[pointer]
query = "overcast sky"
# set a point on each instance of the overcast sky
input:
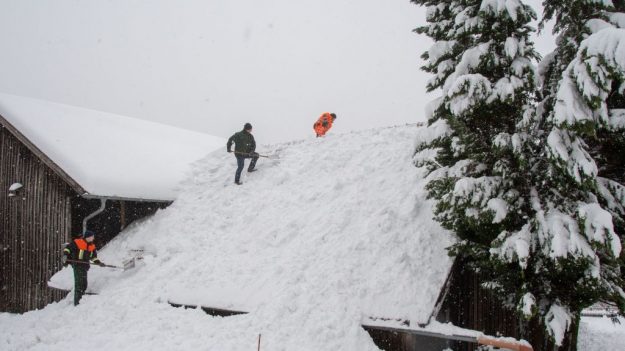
(212, 65)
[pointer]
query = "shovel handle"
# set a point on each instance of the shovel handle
(93, 264)
(248, 154)
(111, 266)
(78, 262)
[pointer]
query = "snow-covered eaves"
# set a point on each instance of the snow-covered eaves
(103, 155)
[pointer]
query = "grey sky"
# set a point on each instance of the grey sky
(212, 65)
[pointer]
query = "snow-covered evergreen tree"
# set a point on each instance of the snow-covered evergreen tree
(482, 63)
(519, 189)
(571, 19)
(583, 81)
(586, 113)
(574, 243)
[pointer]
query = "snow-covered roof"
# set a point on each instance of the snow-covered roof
(108, 155)
(336, 230)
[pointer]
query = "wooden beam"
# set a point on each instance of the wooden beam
(421, 332)
(506, 343)
(209, 310)
(122, 214)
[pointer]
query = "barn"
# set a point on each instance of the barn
(64, 169)
(464, 311)
(324, 269)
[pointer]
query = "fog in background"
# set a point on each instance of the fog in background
(213, 65)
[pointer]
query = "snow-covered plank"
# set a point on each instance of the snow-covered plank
(446, 331)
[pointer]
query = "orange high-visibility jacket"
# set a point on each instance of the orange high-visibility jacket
(82, 251)
(323, 124)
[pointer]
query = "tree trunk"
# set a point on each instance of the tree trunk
(535, 333)
(570, 338)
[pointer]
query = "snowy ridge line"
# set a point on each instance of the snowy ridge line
(283, 145)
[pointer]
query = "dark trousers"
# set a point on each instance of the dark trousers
(241, 164)
(80, 283)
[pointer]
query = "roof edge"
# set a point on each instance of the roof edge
(43, 157)
(120, 198)
(442, 295)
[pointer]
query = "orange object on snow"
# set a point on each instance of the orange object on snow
(324, 123)
(83, 245)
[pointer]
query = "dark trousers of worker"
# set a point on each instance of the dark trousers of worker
(241, 164)
(80, 283)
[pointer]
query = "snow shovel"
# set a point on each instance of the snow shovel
(271, 157)
(138, 253)
(127, 264)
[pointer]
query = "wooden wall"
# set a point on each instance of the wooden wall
(470, 306)
(34, 225)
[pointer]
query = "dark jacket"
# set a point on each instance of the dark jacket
(80, 250)
(244, 142)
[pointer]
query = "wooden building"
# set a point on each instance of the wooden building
(465, 304)
(63, 169)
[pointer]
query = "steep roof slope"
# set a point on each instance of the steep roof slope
(336, 230)
(106, 154)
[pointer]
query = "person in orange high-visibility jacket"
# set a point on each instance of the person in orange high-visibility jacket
(81, 253)
(324, 123)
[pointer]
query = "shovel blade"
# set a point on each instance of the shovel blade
(128, 264)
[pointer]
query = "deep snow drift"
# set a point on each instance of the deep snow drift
(601, 334)
(336, 230)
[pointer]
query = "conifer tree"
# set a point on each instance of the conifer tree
(482, 63)
(586, 103)
(527, 218)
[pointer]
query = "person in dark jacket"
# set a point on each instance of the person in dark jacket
(244, 147)
(81, 253)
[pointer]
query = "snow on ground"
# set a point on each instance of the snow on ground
(336, 230)
(107, 154)
(601, 334)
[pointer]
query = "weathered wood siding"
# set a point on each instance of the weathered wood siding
(34, 225)
(469, 305)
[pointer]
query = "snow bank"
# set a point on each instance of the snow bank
(335, 231)
(110, 155)
(601, 334)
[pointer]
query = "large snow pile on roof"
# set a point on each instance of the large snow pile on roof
(107, 154)
(336, 230)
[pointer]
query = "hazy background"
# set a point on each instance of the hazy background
(213, 65)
